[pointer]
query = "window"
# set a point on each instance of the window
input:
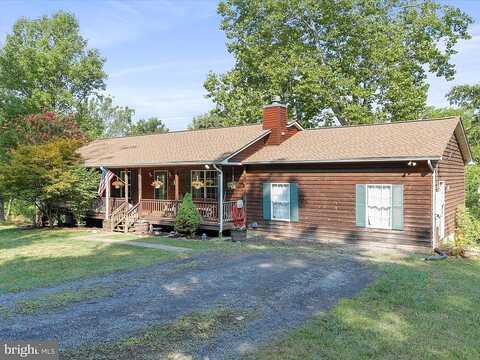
(379, 206)
(122, 189)
(204, 185)
(280, 201)
(161, 192)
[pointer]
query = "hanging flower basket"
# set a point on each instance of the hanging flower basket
(157, 184)
(117, 184)
(197, 184)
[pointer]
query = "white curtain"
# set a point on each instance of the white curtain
(379, 203)
(280, 201)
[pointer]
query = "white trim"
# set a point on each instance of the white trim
(433, 212)
(296, 124)
(271, 202)
(463, 143)
(390, 226)
(342, 160)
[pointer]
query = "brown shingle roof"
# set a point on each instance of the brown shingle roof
(182, 147)
(405, 140)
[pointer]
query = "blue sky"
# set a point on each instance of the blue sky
(159, 52)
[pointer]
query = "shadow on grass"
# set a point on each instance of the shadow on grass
(43, 258)
(416, 309)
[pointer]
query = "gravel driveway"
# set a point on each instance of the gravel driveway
(284, 288)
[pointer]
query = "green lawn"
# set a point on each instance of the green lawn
(415, 310)
(36, 258)
(195, 245)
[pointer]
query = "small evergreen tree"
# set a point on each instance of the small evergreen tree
(188, 219)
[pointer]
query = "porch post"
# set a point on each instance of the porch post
(107, 200)
(220, 199)
(126, 185)
(125, 228)
(139, 185)
(177, 186)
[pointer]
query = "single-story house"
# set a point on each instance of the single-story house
(397, 183)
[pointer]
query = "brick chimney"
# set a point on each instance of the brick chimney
(275, 118)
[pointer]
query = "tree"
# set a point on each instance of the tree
(106, 119)
(364, 61)
(50, 177)
(467, 97)
(208, 120)
(187, 219)
(45, 66)
(33, 129)
(152, 125)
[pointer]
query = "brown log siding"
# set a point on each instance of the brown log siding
(451, 169)
(327, 202)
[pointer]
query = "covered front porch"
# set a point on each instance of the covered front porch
(155, 195)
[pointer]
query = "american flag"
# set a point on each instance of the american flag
(107, 176)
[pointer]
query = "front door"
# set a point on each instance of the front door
(440, 210)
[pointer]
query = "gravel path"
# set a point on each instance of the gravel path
(283, 288)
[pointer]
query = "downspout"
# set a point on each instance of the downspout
(220, 202)
(434, 192)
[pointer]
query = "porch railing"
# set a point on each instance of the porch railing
(99, 204)
(167, 209)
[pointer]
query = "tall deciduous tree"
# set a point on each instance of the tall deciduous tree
(362, 60)
(45, 65)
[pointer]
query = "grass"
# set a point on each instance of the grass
(169, 341)
(415, 310)
(37, 258)
(195, 245)
(59, 300)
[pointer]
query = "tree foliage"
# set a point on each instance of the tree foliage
(45, 65)
(363, 61)
(152, 125)
(467, 97)
(209, 120)
(187, 219)
(50, 177)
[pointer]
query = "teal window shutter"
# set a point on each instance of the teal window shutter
(267, 202)
(293, 202)
(397, 207)
(360, 205)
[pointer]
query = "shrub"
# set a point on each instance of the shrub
(467, 231)
(188, 219)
